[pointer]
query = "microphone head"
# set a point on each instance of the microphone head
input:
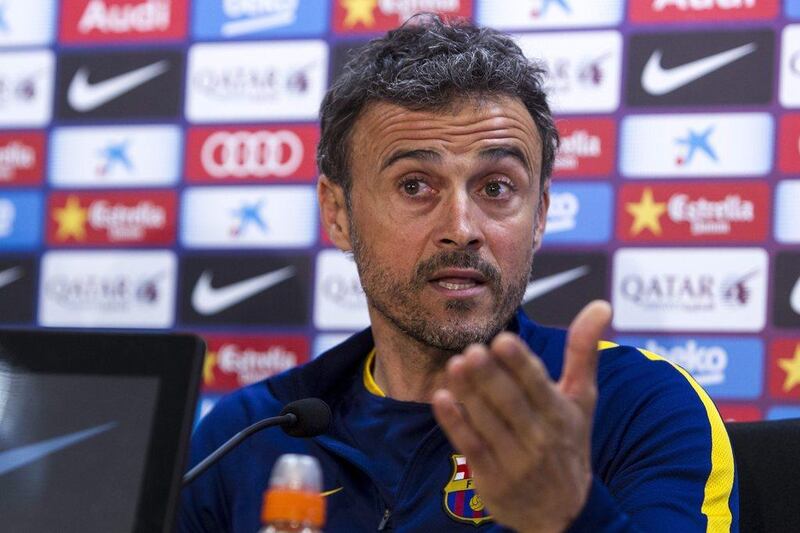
(313, 417)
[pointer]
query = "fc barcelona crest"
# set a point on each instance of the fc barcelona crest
(461, 501)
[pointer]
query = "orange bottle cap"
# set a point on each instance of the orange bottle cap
(286, 505)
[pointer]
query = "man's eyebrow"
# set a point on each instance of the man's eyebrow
(419, 155)
(496, 153)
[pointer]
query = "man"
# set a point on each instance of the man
(436, 150)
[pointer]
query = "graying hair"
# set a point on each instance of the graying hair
(428, 64)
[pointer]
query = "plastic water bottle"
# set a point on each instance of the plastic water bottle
(293, 502)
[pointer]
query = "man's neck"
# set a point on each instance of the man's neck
(406, 369)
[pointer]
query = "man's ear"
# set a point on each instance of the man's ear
(333, 212)
(541, 215)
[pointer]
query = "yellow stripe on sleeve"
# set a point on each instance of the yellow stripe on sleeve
(719, 484)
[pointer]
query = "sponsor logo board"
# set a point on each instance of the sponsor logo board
(690, 289)
(784, 369)
(584, 69)
(18, 280)
(27, 23)
(731, 412)
(276, 216)
(790, 67)
(701, 10)
(235, 19)
(563, 283)
(277, 153)
(793, 9)
(783, 412)
(786, 299)
(687, 212)
(120, 84)
(107, 288)
(115, 156)
(378, 16)
(787, 216)
(21, 158)
(234, 361)
(109, 21)
(249, 290)
(725, 367)
(588, 147)
(700, 68)
(579, 213)
(339, 300)
(20, 220)
(26, 88)
(245, 82)
(789, 144)
(695, 145)
(540, 14)
(112, 218)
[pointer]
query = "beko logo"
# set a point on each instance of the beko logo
(260, 154)
(563, 212)
(257, 16)
(707, 364)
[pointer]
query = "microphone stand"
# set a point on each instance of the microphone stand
(288, 419)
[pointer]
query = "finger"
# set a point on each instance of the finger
(476, 381)
(501, 393)
(579, 377)
(527, 369)
(460, 432)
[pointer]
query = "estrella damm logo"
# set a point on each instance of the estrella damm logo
(461, 501)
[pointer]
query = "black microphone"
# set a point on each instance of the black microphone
(306, 418)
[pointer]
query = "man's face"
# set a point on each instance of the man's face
(446, 214)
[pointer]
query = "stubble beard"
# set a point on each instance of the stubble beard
(400, 301)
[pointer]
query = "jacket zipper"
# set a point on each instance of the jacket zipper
(385, 520)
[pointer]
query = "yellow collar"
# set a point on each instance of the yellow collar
(369, 381)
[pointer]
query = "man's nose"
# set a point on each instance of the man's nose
(459, 224)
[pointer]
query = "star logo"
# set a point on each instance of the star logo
(792, 369)
(208, 368)
(114, 154)
(359, 12)
(696, 141)
(71, 220)
(540, 7)
(646, 213)
(249, 215)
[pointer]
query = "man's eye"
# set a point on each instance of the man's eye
(494, 189)
(412, 187)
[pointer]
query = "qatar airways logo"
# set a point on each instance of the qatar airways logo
(142, 17)
(694, 289)
(706, 364)
(708, 217)
(251, 365)
(15, 157)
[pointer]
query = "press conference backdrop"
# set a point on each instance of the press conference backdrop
(157, 171)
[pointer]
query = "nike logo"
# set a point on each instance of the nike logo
(658, 81)
(794, 297)
(207, 300)
(550, 283)
(10, 275)
(84, 96)
(23, 455)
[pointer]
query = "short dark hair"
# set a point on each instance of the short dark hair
(427, 64)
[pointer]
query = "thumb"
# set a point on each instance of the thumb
(579, 376)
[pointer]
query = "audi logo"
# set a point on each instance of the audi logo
(243, 153)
